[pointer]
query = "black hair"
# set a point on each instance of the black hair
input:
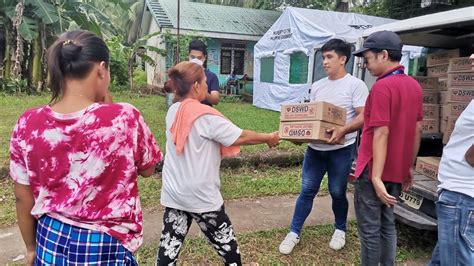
(72, 55)
(198, 45)
(339, 46)
(393, 55)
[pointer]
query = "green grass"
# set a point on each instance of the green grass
(262, 247)
(235, 184)
(153, 109)
(7, 203)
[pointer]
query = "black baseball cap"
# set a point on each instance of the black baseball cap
(383, 40)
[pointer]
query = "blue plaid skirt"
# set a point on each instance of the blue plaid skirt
(58, 243)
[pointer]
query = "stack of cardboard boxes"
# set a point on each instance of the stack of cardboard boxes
(431, 109)
(459, 92)
(447, 90)
(310, 122)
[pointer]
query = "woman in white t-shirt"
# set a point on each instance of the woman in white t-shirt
(197, 137)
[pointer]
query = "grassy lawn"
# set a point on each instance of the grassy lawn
(153, 109)
(236, 184)
(262, 247)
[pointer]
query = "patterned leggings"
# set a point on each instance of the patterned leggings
(215, 225)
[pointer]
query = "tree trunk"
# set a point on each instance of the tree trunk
(18, 55)
(7, 61)
(130, 71)
(36, 67)
(44, 68)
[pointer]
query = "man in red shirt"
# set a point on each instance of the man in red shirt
(389, 144)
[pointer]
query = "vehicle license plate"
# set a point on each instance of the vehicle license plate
(411, 199)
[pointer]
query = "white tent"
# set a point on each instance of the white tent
(285, 55)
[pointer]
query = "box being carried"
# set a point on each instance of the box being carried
(441, 58)
(315, 111)
(428, 166)
(307, 131)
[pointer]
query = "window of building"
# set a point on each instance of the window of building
(232, 58)
(267, 69)
(298, 68)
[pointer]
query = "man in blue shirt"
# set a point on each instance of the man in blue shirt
(197, 54)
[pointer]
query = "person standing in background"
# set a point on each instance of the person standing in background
(198, 54)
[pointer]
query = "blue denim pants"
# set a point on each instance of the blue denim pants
(337, 164)
(455, 245)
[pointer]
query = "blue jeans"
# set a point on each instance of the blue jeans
(455, 245)
(337, 164)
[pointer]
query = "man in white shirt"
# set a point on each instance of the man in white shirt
(455, 205)
(344, 90)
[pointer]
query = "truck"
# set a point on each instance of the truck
(452, 29)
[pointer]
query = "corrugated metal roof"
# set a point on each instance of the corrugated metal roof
(212, 18)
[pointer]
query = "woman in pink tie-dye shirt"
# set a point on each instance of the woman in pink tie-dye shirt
(75, 163)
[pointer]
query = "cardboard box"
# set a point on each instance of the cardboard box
(443, 124)
(428, 166)
(443, 97)
(307, 131)
(451, 122)
(448, 124)
(431, 111)
(315, 111)
(460, 64)
(437, 71)
(427, 83)
(441, 58)
(430, 125)
(430, 96)
(446, 136)
(453, 109)
(456, 95)
(461, 80)
(442, 84)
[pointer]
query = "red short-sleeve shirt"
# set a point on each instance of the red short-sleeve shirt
(394, 101)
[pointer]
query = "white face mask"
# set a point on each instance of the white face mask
(197, 61)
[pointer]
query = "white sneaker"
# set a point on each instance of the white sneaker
(289, 243)
(338, 240)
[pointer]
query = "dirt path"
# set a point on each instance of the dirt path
(246, 215)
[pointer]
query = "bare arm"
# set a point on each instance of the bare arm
(249, 137)
(416, 148)
(213, 97)
(354, 125)
(379, 146)
(26, 222)
(357, 122)
(147, 172)
(469, 156)
(407, 183)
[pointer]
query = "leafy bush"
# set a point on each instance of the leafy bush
(118, 63)
(139, 78)
(15, 85)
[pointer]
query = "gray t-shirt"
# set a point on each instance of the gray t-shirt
(348, 92)
(191, 180)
